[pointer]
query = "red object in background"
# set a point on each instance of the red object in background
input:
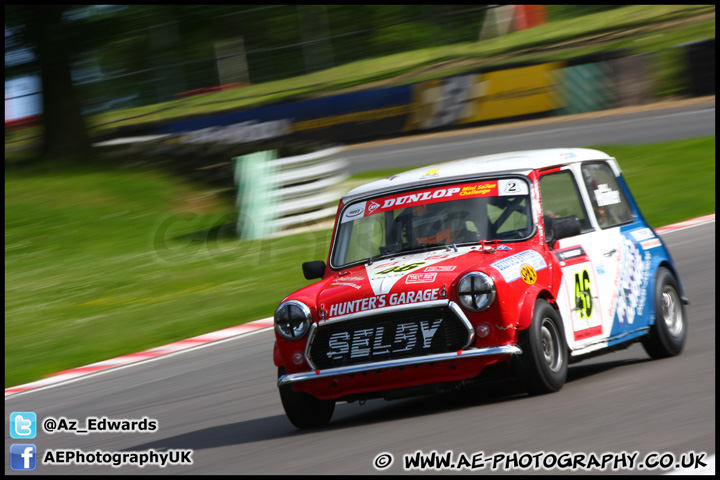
(200, 91)
(528, 16)
(24, 122)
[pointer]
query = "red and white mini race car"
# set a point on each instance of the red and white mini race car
(512, 264)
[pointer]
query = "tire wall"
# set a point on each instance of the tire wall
(529, 90)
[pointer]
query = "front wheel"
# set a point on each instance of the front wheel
(543, 364)
(302, 409)
(668, 334)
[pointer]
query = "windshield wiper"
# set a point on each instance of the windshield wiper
(423, 248)
(371, 260)
(410, 248)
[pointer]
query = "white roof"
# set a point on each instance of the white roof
(521, 162)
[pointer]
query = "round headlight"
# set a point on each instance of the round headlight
(292, 319)
(476, 291)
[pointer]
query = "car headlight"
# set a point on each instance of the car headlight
(476, 291)
(292, 319)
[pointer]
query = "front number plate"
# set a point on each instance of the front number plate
(383, 341)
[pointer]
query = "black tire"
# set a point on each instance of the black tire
(542, 367)
(668, 334)
(302, 409)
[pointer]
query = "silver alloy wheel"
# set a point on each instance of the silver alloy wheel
(542, 367)
(669, 332)
(671, 311)
(550, 338)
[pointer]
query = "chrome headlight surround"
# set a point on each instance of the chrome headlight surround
(292, 319)
(476, 291)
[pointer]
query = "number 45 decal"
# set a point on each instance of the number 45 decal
(583, 295)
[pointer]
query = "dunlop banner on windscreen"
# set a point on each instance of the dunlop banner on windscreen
(486, 96)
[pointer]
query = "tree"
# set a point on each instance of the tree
(50, 35)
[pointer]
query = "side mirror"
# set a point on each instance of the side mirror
(314, 269)
(563, 228)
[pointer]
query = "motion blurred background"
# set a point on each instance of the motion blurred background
(105, 66)
(111, 251)
(127, 56)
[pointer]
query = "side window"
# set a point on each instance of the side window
(607, 198)
(561, 198)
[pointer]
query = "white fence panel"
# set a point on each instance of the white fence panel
(280, 194)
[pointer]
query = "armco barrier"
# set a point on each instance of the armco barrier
(277, 194)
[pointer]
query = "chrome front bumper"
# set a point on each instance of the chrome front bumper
(367, 367)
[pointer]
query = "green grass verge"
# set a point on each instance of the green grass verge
(671, 181)
(101, 262)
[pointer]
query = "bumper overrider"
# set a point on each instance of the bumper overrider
(453, 344)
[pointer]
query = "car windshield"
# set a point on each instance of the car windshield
(433, 217)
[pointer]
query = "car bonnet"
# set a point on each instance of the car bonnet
(405, 280)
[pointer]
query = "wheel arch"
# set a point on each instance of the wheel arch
(661, 342)
(527, 309)
(542, 366)
(668, 265)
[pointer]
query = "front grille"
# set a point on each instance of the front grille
(388, 336)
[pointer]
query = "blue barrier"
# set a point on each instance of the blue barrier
(377, 111)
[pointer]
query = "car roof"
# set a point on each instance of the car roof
(520, 162)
